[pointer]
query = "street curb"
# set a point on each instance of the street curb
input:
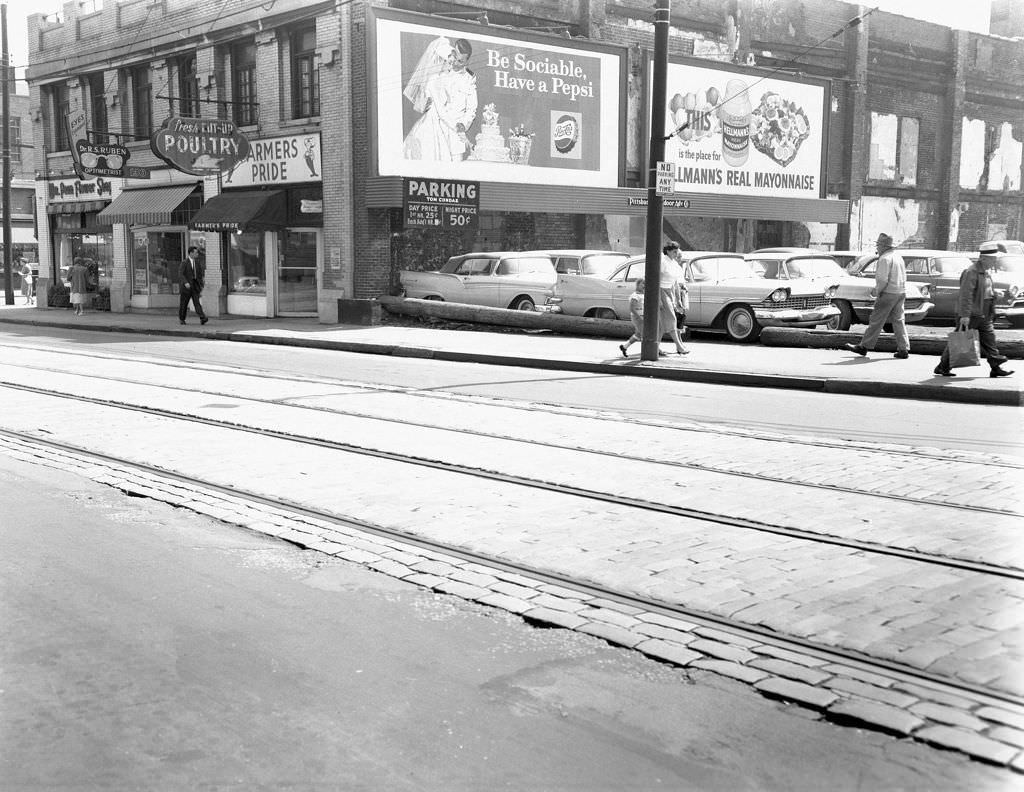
(946, 392)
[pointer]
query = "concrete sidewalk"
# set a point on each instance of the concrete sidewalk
(709, 361)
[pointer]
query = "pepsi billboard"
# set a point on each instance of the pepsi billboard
(464, 101)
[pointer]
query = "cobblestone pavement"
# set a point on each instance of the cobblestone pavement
(844, 692)
(952, 622)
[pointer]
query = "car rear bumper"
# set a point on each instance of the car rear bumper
(1007, 312)
(793, 317)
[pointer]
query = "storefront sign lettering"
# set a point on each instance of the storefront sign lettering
(440, 203)
(202, 147)
(290, 159)
(77, 190)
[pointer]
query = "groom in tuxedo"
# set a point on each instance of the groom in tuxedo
(193, 278)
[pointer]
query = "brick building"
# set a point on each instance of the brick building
(916, 130)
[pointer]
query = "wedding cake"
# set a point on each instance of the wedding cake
(490, 145)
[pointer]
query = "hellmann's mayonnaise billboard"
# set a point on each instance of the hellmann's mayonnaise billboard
(743, 131)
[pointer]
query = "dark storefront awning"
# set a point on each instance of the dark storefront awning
(149, 206)
(243, 210)
(75, 207)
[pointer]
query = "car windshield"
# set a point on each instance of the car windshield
(814, 268)
(724, 268)
(602, 265)
(1010, 263)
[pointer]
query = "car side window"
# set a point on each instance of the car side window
(568, 265)
(635, 272)
(916, 266)
(507, 267)
(474, 267)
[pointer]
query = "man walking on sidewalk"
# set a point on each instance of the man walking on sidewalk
(890, 296)
(193, 278)
(975, 307)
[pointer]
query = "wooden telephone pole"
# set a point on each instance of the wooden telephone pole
(5, 142)
(652, 271)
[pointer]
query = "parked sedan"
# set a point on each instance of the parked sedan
(520, 280)
(854, 297)
(939, 269)
(725, 294)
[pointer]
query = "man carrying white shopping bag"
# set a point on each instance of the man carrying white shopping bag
(976, 311)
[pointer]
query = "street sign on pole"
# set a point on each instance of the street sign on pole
(666, 178)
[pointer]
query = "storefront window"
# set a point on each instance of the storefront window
(96, 252)
(246, 270)
(156, 258)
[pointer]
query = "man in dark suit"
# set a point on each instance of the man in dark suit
(193, 278)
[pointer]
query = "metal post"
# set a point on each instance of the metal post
(5, 143)
(652, 272)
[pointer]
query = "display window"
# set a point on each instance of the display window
(97, 253)
(156, 260)
(246, 268)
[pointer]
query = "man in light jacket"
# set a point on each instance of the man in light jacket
(890, 296)
(975, 307)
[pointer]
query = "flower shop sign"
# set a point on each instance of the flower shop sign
(200, 146)
(440, 203)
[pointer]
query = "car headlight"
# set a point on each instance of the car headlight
(830, 292)
(1013, 291)
(926, 291)
(779, 295)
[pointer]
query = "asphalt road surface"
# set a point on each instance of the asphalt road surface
(145, 647)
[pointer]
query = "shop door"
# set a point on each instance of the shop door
(297, 271)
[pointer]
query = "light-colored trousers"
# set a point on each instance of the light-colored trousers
(888, 308)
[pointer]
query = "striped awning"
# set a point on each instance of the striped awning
(75, 207)
(148, 206)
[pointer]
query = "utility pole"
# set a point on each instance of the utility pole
(5, 142)
(652, 271)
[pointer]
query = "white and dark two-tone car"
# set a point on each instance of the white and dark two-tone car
(854, 296)
(726, 294)
(519, 280)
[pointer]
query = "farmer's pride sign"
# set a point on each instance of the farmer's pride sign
(453, 103)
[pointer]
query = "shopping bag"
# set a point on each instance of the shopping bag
(963, 348)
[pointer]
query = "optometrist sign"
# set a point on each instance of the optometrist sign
(440, 203)
(736, 131)
(460, 101)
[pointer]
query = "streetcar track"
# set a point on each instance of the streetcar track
(830, 487)
(735, 627)
(562, 489)
(721, 429)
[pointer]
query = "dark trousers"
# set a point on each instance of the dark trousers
(183, 298)
(986, 337)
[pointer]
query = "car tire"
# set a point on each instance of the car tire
(740, 325)
(523, 302)
(604, 313)
(845, 318)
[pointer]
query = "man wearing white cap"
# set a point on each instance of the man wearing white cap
(975, 308)
(890, 297)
